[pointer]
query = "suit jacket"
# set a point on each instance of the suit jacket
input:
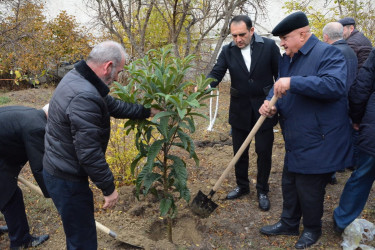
(248, 89)
(21, 140)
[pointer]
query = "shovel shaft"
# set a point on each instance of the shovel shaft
(243, 147)
(37, 189)
(33, 187)
(105, 229)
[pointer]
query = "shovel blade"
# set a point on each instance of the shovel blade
(202, 205)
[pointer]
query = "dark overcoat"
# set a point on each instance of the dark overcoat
(362, 104)
(21, 140)
(351, 61)
(314, 112)
(248, 89)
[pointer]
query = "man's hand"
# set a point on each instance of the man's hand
(110, 200)
(356, 126)
(281, 86)
(196, 87)
(153, 112)
(266, 110)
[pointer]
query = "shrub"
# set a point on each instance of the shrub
(120, 153)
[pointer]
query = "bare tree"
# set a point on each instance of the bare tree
(189, 24)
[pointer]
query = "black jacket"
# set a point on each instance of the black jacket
(21, 140)
(362, 104)
(248, 89)
(78, 127)
(361, 45)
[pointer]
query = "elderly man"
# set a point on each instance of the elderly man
(333, 34)
(77, 134)
(21, 140)
(356, 40)
(252, 62)
(314, 121)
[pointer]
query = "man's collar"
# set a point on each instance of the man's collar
(84, 70)
(310, 43)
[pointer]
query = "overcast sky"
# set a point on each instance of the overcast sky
(78, 9)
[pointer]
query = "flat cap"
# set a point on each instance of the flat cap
(347, 21)
(292, 22)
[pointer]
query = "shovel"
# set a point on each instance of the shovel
(202, 205)
(98, 225)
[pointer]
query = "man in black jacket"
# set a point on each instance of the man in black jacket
(253, 64)
(356, 40)
(21, 140)
(362, 111)
(77, 134)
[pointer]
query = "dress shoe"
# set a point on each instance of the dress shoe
(336, 228)
(34, 242)
(279, 229)
(264, 202)
(237, 193)
(3, 229)
(307, 239)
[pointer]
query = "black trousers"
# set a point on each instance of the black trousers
(15, 217)
(263, 148)
(303, 196)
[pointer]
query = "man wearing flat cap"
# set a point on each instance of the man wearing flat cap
(312, 110)
(356, 40)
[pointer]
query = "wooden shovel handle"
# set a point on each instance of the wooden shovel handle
(37, 189)
(243, 146)
(33, 187)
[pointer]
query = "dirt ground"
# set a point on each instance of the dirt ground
(233, 225)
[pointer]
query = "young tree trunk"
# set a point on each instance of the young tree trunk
(169, 229)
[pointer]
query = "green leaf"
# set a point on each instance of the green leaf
(145, 170)
(193, 96)
(198, 114)
(185, 194)
(191, 124)
(179, 169)
(165, 205)
(163, 128)
(134, 163)
(153, 153)
(162, 114)
(184, 138)
(148, 180)
(181, 113)
(194, 103)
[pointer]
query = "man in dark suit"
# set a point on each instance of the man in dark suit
(21, 140)
(253, 65)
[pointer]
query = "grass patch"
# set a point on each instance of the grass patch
(4, 100)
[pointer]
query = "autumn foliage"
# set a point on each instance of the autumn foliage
(33, 48)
